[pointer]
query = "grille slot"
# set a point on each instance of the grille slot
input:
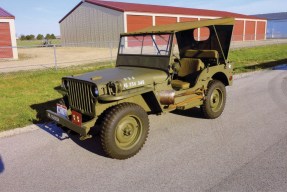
(81, 97)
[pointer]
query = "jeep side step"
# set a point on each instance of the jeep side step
(195, 99)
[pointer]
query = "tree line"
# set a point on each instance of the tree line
(38, 37)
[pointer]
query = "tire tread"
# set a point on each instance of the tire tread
(207, 113)
(111, 116)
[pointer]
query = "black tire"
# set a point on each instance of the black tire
(214, 103)
(124, 130)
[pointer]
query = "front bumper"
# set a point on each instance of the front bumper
(83, 131)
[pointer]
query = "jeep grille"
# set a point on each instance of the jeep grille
(81, 97)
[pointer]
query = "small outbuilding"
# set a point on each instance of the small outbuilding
(8, 44)
(102, 21)
(276, 25)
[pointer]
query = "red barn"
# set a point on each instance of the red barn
(7, 36)
(103, 21)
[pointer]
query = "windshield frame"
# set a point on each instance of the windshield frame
(169, 44)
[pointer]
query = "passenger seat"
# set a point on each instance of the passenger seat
(188, 66)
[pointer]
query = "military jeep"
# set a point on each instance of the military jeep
(158, 70)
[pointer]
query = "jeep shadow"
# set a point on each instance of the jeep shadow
(62, 133)
(2, 168)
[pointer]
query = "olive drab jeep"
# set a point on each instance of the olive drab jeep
(158, 70)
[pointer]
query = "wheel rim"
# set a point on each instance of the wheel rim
(128, 132)
(216, 100)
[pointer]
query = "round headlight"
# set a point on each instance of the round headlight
(95, 92)
(115, 87)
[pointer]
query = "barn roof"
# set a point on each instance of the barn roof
(5, 14)
(273, 16)
(135, 7)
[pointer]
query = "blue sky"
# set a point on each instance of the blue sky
(34, 17)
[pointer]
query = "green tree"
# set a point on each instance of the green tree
(48, 36)
(40, 37)
(30, 37)
(22, 37)
(53, 36)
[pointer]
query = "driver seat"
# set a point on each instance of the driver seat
(188, 67)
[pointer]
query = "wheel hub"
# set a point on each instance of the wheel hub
(128, 132)
(216, 100)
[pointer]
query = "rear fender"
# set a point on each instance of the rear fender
(222, 77)
(218, 72)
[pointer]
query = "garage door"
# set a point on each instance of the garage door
(135, 23)
(5, 41)
(238, 30)
(250, 30)
(260, 30)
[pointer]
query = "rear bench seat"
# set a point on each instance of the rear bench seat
(207, 56)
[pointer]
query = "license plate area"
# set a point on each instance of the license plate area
(76, 118)
(62, 110)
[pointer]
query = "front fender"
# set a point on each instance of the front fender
(125, 94)
(144, 97)
(61, 90)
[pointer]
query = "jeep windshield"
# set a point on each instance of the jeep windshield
(146, 44)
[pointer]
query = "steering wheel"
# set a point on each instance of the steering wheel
(159, 52)
(176, 65)
(176, 59)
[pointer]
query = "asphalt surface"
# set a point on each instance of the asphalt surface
(243, 150)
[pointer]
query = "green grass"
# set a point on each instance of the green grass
(28, 43)
(257, 58)
(25, 95)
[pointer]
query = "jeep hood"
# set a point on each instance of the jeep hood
(130, 77)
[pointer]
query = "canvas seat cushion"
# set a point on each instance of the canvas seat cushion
(201, 54)
(179, 84)
(189, 65)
